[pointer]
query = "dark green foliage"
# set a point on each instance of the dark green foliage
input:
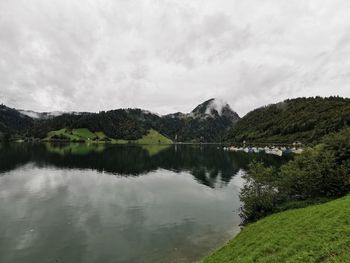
(106, 139)
(129, 124)
(321, 172)
(303, 119)
(259, 194)
(12, 122)
(339, 145)
(59, 137)
(314, 174)
(190, 129)
(203, 124)
(5, 137)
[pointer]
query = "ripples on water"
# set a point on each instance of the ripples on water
(97, 203)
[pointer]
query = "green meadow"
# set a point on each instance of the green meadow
(319, 233)
(85, 135)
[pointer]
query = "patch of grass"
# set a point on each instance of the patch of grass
(81, 134)
(63, 133)
(100, 135)
(57, 132)
(319, 233)
(153, 137)
(84, 133)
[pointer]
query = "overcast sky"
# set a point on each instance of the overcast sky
(167, 56)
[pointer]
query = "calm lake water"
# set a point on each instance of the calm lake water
(95, 203)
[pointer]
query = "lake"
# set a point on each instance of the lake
(100, 203)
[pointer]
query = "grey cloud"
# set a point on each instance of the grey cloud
(169, 55)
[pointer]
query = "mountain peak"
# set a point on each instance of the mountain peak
(214, 108)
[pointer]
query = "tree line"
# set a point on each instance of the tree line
(127, 124)
(319, 174)
(302, 119)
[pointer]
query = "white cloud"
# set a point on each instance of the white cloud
(170, 55)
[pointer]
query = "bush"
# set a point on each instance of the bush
(315, 173)
(319, 173)
(259, 193)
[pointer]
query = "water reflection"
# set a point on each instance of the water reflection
(208, 164)
(100, 203)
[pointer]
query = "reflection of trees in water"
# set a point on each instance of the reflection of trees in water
(13, 156)
(206, 163)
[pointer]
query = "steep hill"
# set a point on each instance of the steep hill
(318, 233)
(208, 122)
(12, 121)
(301, 119)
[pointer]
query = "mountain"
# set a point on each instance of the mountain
(208, 122)
(214, 108)
(45, 115)
(12, 121)
(303, 119)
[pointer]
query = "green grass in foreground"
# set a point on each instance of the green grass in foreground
(154, 137)
(319, 233)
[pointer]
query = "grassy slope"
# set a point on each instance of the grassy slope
(319, 233)
(64, 132)
(100, 135)
(76, 134)
(153, 137)
(85, 133)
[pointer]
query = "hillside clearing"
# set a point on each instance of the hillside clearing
(85, 135)
(154, 137)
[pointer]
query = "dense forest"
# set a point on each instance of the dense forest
(13, 122)
(302, 119)
(206, 123)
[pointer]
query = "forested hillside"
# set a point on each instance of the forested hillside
(129, 124)
(11, 121)
(302, 119)
(208, 122)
